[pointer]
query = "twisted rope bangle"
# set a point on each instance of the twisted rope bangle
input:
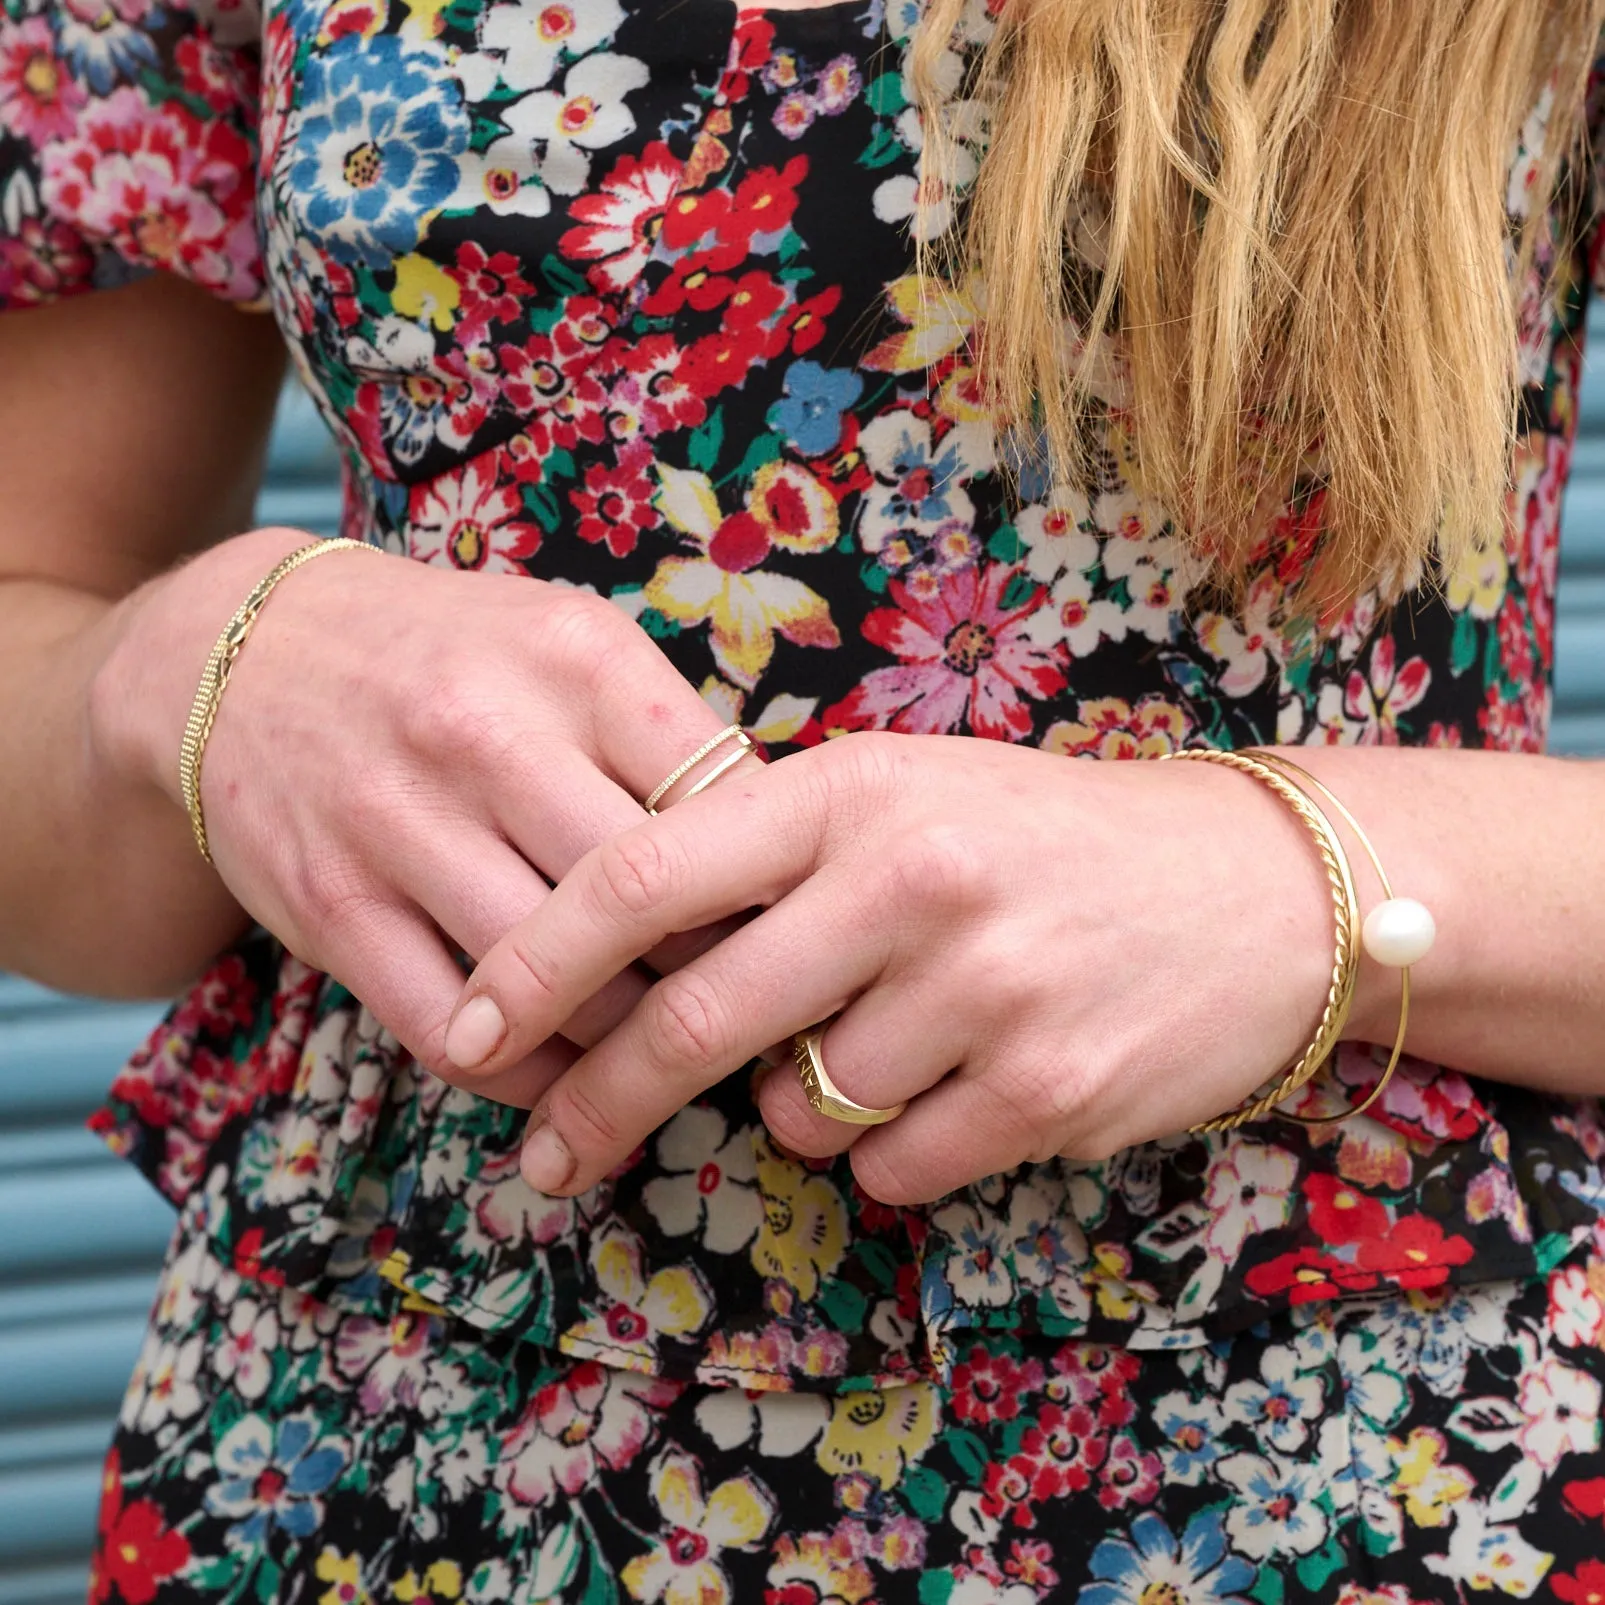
(219, 665)
(1346, 922)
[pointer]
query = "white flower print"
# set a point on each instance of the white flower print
(245, 1356)
(1372, 1387)
(170, 1392)
(1248, 1190)
(1249, 644)
(978, 1269)
(781, 1424)
(1484, 1555)
(1561, 1405)
(522, 41)
(1281, 1407)
(1045, 1239)
(1193, 1428)
(918, 511)
(1057, 534)
(1576, 1312)
(709, 1182)
(1276, 1512)
(503, 177)
(587, 114)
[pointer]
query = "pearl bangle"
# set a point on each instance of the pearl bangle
(1397, 933)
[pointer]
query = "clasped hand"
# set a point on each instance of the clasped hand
(1042, 956)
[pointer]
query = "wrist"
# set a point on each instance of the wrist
(155, 647)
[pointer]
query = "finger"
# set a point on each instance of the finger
(793, 965)
(952, 1136)
(393, 959)
(739, 845)
(889, 1045)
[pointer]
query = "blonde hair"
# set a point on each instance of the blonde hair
(1305, 257)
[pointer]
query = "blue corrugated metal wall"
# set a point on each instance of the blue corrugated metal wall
(81, 1235)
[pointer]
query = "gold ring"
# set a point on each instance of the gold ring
(824, 1094)
(731, 732)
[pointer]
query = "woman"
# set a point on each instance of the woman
(1094, 377)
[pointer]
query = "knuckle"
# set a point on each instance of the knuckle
(686, 1022)
(577, 631)
(450, 720)
(637, 872)
(580, 1120)
(792, 1124)
(537, 985)
(938, 865)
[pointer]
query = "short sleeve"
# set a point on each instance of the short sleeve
(127, 144)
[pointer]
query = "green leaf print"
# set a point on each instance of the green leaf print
(268, 1577)
(884, 149)
(702, 450)
(936, 1588)
(885, 94)
(657, 626)
(1018, 592)
(1006, 545)
(924, 1492)
(844, 1305)
(1463, 645)
(968, 1452)
(1313, 1570)
(873, 577)
(1268, 1588)
(561, 276)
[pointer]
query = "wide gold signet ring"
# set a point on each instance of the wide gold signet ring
(823, 1093)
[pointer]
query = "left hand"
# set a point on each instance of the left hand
(1043, 955)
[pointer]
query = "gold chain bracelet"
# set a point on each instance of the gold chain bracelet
(220, 664)
(1346, 922)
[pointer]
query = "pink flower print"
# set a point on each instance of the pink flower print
(1377, 699)
(594, 1419)
(615, 505)
(169, 190)
(385, 1356)
(466, 519)
(969, 661)
(43, 260)
(39, 101)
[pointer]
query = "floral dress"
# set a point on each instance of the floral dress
(621, 293)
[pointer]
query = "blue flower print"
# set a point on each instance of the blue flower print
(267, 1483)
(1152, 1565)
(810, 416)
(379, 149)
(105, 49)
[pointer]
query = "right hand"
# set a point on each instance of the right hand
(404, 759)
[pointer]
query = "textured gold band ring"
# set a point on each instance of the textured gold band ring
(823, 1093)
(731, 732)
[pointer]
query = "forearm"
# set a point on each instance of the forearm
(1509, 854)
(101, 888)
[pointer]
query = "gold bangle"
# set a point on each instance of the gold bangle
(1300, 775)
(220, 664)
(1346, 945)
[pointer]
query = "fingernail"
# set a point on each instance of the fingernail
(476, 1033)
(545, 1162)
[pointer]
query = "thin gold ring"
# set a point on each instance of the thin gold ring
(823, 1093)
(731, 732)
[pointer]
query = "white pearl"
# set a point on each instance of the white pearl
(1399, 932)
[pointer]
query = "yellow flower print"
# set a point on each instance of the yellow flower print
(1428, 1487)
(1109, 727)
(938, 319)
(823, 1566)
(879, 1434)
(682, 1567)
(442, 1581)
(723, 587)
(425, 292)
(635, 1311)
(1476, 584)
(345, 1573)
(804, 1231)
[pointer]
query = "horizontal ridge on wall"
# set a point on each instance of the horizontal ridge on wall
(81, 1233)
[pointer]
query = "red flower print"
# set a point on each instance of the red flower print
(1514, 722)
(1415, 1253)
(754, 39)
(1586, 1498)
(719, 361)
(1306, 1274)
(693, 214)
(41, 261)
(804, 324)
(618, 224)
(1031, 1562)
(221, 78)
(968, 662)
(764, 203)
(170, 190)
(1515, 642)
(615, 504)
(652, 397)
(990, 1387)
(1061, 1450)
(468, 520)
(1341, 1213)
(754, 300)
(39, 101)
(1585, 1586)
(693, 281)
(135, 1551)
(1006, 1491)
(490, 289)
